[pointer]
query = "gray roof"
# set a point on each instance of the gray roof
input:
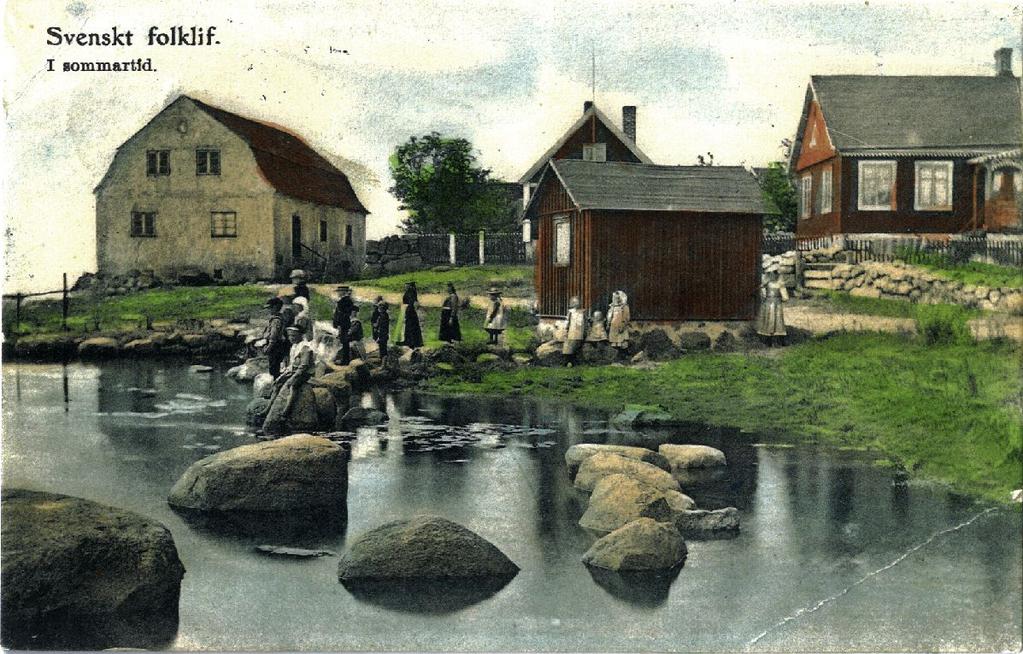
(871, 111)
(646, 187)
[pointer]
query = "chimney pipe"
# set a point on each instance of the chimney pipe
(587, 105)
(1003, 62)
(629, 122)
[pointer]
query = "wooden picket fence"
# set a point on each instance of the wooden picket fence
(1005, 251)
(473, 249)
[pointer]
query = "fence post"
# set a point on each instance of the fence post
(17, 312)
(64, 305)
(451, 249)
(482, 242)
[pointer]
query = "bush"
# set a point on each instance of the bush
(943, 324)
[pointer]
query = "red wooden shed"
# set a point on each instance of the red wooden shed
(683, 242)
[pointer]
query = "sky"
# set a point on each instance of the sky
(355, 79)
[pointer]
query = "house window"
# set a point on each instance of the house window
(825, 192)
(348, 235)
(223, 224)
(876, 186)
(143, 223)
(805, 195)
(595, 152)
(157, 162)
(933, 186)
(207, 161)
(1004, 179)
(323, 231)
(562, 241)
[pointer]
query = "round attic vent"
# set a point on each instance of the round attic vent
(183, 126)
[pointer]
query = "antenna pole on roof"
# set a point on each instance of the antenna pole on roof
(593, 73)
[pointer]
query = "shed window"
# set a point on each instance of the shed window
(223, 224)
(143, 223)
(1004, 181)
(562, 241)
(595, 152)
(825, 192)
(805, 195)
(157, 162)
(207, 161)
(876, 186)
(933, 185)
(348, 235)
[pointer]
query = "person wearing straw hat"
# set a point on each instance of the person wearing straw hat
(275, 339)
(300, 289)
(343, 320)
(771, 320)
(497, 318)
(288, 386)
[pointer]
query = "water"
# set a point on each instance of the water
(832, 555)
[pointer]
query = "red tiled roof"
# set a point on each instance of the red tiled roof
(288, 163)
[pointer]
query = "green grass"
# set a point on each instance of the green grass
(969, 272)
(515, 281)
(949, 412)
(840, 302)
(126, 312)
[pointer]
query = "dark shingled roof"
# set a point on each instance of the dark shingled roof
(871, 111)
(289, 164)
(646, 187)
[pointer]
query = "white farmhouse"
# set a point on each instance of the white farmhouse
(203, 190)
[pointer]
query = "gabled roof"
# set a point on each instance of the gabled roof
(576, 126)
(621, 186)
(868, 112)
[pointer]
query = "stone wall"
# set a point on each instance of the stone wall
(902, 282)
(392, 255)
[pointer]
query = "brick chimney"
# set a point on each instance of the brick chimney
(587, 105)
(1003, 62)
(629, 122)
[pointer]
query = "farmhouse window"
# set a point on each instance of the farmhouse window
(562, 241)
(207, 161)
(933, 185)
(223, 224)
(825, 192)
(143, 223)
(1004, 181)
(595, 152)
(348, 235)
(805, 195)
(323, 231)
(157, 162)
(876, 186)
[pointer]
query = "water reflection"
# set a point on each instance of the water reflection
(426, 596)
(307, 530)
(644, 589)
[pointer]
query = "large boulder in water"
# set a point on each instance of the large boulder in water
(247, 371)
(97, 347)
(601, 465)
(618, 500)
(296, 473)
(576, 454)
(643, 544)
(81, 575)
(683, 457)
(424, 547)
(359, 416)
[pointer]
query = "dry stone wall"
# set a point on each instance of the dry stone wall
(788, 266)
(393, 255)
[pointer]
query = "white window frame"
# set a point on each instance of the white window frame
(992, 174)
(806, 196)
(826, 191)
(562, 255)
(947, 165)
(861, 166)
(595, 152)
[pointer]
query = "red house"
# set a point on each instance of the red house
(683, 242)
(907, 154)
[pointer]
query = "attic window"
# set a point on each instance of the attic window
(157, 162)
(207, 161)
(813, 135)
(933, 186)
(595, 152)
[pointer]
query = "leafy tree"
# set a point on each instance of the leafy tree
(437, 180)
(780, 196)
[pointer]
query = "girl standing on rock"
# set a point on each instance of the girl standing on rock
(618, 320)
(497, 319)
(575, 330)
(409, 330)
(771, 320)
(450, 330)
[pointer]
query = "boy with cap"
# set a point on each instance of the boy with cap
(343, 320)
(275, 346)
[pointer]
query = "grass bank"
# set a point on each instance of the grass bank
(515, 281)
(968, 272)
(949, 412)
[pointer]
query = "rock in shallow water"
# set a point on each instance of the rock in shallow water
(424, 547)
(297, 473)
(81, 575)
(600, 465)
(643, 544)
(709, 524)
(692, 456)
(618, 500)
(576, 454)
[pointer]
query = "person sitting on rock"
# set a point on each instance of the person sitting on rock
(575, 330)
(288, 386)
(381, 326)
(303, 320)
(598, 330)
(497, 317)
(300, 288)
(355, 336)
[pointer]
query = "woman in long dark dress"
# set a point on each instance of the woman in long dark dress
(450, 330)
(411, 331)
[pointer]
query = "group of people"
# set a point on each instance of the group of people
(613, 328)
